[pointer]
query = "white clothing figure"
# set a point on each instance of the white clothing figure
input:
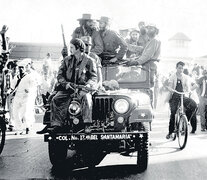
(24, 100)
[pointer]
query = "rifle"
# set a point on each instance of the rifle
(65, 49)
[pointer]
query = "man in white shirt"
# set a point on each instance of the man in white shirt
(24, 99)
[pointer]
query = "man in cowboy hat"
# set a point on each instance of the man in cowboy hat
(114, 45)
(87, 29)
(134, 49)
(150, 53)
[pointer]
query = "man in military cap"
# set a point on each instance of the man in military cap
(150, 53)
(87, 28)
(114, 45)
(78, 68)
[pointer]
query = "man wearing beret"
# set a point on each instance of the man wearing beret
(78, 68)
(114, 45)
(150, 53)
(87, 29)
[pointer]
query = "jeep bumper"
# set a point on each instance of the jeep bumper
(68, 137)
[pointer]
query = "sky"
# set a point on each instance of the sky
(40, 20)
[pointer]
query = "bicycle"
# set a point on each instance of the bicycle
(181, 123)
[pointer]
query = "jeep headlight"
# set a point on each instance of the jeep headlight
(74, 108)
(121, 106)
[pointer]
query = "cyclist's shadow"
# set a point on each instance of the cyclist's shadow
(161, 148)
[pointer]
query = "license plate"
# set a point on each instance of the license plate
(91, 137)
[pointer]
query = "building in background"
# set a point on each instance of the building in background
(37, 52)
(179, 46)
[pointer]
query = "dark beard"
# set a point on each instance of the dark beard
(89, 30)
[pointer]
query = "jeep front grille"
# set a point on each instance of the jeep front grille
(102, 106)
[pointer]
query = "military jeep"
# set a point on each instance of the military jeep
(121, 122)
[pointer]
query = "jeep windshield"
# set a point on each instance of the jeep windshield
(135, 76)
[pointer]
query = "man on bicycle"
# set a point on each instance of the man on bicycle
(180, 82)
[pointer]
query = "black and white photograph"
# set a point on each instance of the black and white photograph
(103, 89)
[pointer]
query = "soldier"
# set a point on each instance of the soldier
(134, 48)
(143, 38)
(87, 28)
(150, 53)
(77, 68)
(114, 45)
(88, 43)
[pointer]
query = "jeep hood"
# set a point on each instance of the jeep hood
(137, 96)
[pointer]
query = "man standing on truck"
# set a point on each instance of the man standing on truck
(114, 45)
(150, 53)
(134, 48)
(87, 28)
(88, 43)
(80, 69)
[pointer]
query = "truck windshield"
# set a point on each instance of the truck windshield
(125, 74)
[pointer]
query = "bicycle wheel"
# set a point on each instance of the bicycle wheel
(182, 131)
(2, 135)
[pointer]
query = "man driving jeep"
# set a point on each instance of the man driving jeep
(78, 68)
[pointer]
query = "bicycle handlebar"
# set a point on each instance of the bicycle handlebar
(181, 93)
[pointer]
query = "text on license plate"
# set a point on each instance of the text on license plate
(94, 137)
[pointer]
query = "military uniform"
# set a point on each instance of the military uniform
(97, 43)
(114, 45)
(81, 71)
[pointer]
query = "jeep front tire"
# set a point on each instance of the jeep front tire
(57, 153)
(142, 152)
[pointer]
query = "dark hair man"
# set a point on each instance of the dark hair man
(180, 82)
(87, 28)
(77, 68)
(114, 45)
(134, 48)
(150, 53)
